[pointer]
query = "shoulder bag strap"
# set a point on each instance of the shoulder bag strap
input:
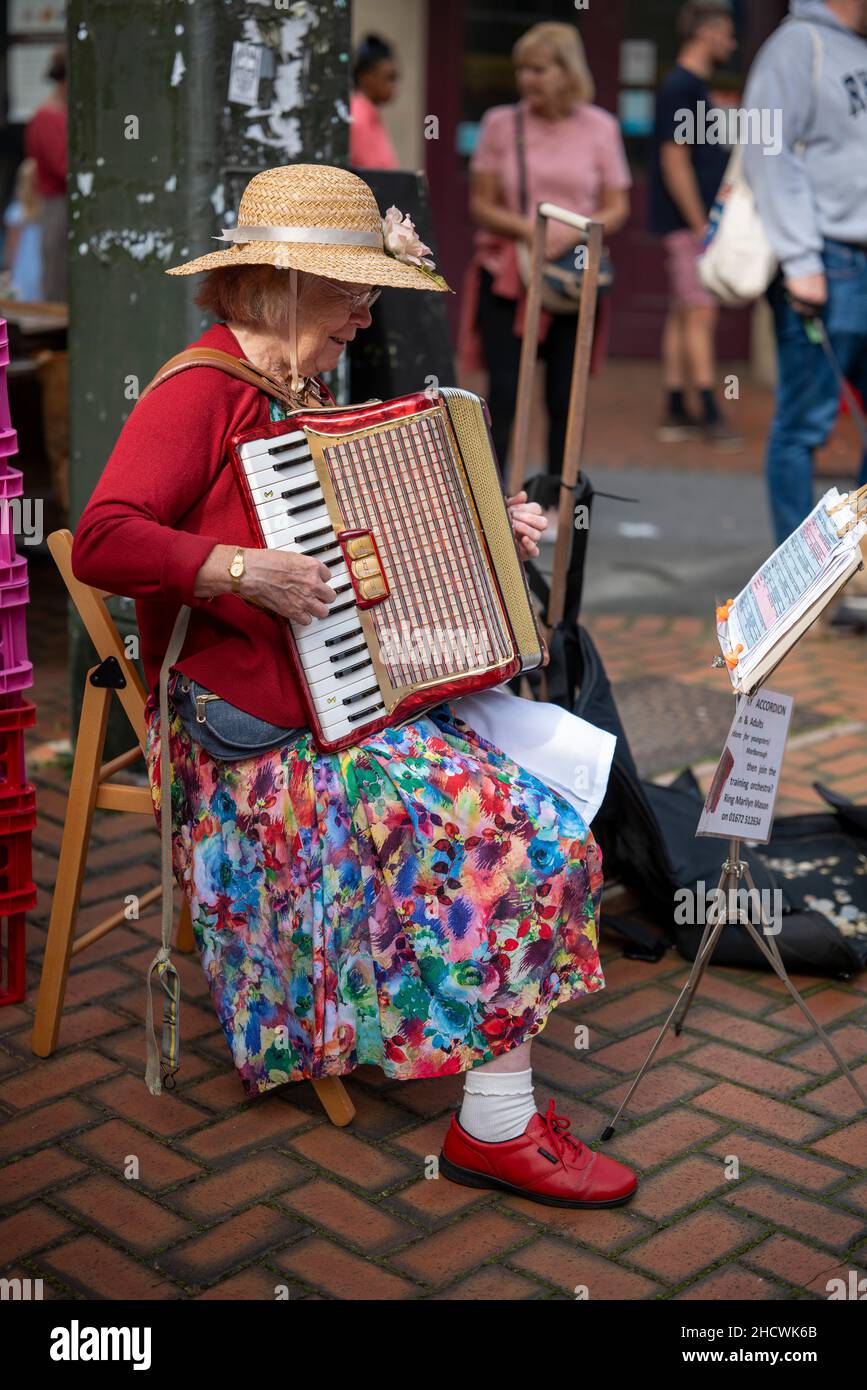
(162, 1068)
(224, 361)
(522, 158)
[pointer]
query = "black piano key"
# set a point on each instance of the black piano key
(305, 507)
(339, 607)
(348, 670)
(344, 637)
(311, 536)
(360, 695)
(353, 651)
(342, 588)
(297, 491)
(284, 448)
(320, 549)
(365, 713)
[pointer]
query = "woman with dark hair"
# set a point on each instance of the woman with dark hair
(374, 76)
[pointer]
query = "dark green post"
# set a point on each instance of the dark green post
(158, 158)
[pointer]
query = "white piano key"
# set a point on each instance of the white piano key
(263, 467)
(337, 723)
(265, 486)
(329, 697)
(291, 439)
(309, 646)
(271, 509)
(274, 517)
(323, 671)
(287, 539)
(325, 625)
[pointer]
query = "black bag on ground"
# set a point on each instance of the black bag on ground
(648, 840)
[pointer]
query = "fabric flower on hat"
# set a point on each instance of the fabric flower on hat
(401, 240)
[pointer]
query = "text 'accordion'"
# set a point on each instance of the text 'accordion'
(402, 500)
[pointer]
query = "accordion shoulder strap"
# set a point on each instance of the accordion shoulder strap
(224, 361)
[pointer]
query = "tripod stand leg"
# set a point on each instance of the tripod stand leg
(701, 959)
(697, 967)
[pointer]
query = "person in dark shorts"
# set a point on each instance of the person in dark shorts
(685, 174)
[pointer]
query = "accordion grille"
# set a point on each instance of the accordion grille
(443, 616)
(469, 425)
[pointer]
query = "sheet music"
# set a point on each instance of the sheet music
(808, 563)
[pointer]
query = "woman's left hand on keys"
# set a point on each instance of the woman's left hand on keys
(528, 524)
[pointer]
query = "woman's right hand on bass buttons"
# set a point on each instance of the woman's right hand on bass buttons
(295, 586)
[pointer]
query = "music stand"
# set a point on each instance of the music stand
(734, 868)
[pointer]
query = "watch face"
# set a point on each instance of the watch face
(237, 566)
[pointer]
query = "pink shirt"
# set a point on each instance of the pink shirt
(568, 161)
(370, 144)
(45, 141)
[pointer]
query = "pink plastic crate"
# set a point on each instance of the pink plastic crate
(12, 976)
(8, 438)
(16, 678)
(11, 482)
(12, 595)
(13, 571)
(8, 553)
(13, 639)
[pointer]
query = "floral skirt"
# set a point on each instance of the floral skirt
(418, 901)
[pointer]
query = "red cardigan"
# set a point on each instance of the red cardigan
(166, 497)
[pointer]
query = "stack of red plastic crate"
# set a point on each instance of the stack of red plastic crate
(17, 795)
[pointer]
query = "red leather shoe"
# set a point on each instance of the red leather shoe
(544, 1164)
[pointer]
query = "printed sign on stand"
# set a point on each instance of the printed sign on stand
(740, 803)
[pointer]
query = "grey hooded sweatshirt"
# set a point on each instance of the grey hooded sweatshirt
(805, 195)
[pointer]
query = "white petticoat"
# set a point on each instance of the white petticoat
(571, 756)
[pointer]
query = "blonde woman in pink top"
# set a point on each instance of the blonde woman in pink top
(573, 156)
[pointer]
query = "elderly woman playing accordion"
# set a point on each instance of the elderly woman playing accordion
(419, 900)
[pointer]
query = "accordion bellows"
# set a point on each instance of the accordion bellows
(402, 500)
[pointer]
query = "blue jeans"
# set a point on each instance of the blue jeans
(807, 392)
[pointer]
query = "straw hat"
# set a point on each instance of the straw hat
(324, 220)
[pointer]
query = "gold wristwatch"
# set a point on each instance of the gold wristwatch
(236, 570)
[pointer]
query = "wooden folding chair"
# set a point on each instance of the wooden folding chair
(91, 788)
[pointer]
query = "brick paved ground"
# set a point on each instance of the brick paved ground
(235, 1198)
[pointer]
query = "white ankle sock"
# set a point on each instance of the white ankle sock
(497, 1105)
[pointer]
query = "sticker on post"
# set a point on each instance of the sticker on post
(245, 73)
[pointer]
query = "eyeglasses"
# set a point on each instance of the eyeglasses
(364, 300)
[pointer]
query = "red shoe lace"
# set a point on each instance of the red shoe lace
(558, 1127)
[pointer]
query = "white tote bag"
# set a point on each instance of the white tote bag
(738, 263)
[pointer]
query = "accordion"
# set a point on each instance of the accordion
(402, 500)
